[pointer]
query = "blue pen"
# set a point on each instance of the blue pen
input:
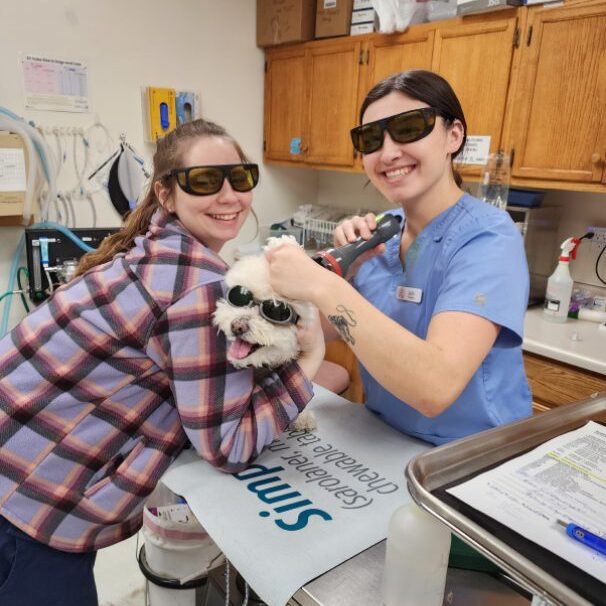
(581, 535)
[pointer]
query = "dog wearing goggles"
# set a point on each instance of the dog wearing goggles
(259, 325)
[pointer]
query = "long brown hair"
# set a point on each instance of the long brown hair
(168, 156)
(425, 86)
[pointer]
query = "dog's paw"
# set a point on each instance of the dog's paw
(306, 421)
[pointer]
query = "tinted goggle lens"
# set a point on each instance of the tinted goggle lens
(277, 312)
(402, 128)
(239, 296)
(207, 180)
(244, 177)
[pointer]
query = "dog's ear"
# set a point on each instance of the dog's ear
(275, 242)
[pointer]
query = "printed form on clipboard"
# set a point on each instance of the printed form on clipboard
(562, 479)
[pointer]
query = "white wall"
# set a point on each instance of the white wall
(350, 191)
(578, 212)
(206, 46)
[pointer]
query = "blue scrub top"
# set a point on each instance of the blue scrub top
(470, 258)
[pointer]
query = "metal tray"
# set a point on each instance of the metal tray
(536, 569)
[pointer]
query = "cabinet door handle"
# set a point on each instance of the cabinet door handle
(596, 158)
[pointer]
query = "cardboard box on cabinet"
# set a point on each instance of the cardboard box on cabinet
(282, 21)
(333, 18)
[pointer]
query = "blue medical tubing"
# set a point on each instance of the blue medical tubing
(65, 231)
(41, 153)
(11, 282)
(19, 251)
(21, 244)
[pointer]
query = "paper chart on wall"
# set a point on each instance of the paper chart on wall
(54, 84)
(564, 478)
(308, 503)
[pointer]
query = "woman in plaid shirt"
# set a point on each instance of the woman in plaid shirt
(104, 384)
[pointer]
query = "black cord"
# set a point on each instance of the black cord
(597, 261)
(23, 299)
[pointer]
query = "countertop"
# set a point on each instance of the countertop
(577, 342)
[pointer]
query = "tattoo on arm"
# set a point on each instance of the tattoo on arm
(342, 322)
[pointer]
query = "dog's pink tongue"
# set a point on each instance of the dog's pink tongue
(239, 349)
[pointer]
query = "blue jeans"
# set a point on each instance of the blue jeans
(34, 574)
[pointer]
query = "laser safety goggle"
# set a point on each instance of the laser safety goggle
(402, 128)
(207, 180)
(273, 311)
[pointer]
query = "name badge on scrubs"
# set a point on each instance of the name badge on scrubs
(407, 293)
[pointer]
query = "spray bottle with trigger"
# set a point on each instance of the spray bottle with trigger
(560, 283)
(339, 259)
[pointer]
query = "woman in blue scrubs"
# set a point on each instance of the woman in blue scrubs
(436, 315)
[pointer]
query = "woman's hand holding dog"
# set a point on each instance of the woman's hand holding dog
(311, 342)
(294, 275)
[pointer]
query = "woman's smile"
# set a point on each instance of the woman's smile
(402, 171)
(224, 216)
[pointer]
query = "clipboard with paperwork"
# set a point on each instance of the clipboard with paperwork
(557, 458)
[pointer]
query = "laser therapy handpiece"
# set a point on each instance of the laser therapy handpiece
(338, 260)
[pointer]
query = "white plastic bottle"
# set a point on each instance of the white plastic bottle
(416, 559)
(559, 285)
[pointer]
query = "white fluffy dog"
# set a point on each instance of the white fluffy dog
(259, 325)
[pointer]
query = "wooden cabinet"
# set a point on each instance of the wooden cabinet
(313, 90)
(332, 102)
(398, 52)
(311, 93)
(554, 383)
(475, 56)
(285, 104)
(558, 115)
(339, 352)
(531, 78)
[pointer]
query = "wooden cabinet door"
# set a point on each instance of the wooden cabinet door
(554, 383)
(391, 54)
(285, 99)
(559, 123)
(332, 102)
(475, 56)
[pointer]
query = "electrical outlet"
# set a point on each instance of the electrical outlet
(599, 236)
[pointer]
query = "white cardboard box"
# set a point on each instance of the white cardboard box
(366, 15)
(362, 28)
(362, 4)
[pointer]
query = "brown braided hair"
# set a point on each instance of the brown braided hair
(168, 156)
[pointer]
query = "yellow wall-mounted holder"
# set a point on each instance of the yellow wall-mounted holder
(161, 113)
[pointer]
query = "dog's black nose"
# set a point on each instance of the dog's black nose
(239, 326)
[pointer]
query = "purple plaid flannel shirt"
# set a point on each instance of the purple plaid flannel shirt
(102, 385)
